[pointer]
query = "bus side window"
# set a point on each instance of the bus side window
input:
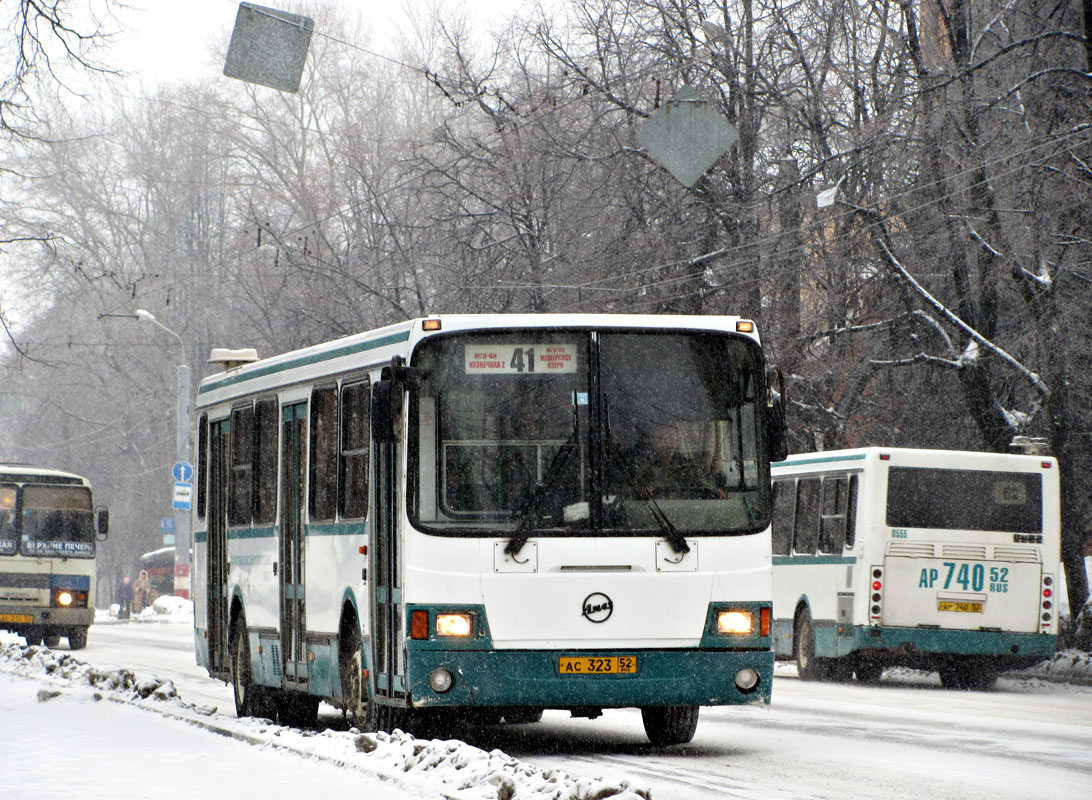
(806, 527)
(784, 504)
(355, 438)
(241, 477)
(832, 524)
(322, 499)
(265, 461)
(851, 513)
(202, 464)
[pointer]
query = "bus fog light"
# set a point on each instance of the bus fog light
(64, 599)
(735, 622)
(441, 680)
(747, 680)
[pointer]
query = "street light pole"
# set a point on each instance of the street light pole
(182, 452)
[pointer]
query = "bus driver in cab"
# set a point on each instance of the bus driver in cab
(669, 473)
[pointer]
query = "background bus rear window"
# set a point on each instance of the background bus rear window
(971, 500)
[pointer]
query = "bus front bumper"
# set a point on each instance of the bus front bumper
(534, 678)
(20, 618)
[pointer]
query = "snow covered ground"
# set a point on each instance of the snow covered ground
(65, 723)
(122, 733)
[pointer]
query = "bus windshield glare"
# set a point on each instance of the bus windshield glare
(562, 432)
(57, 521)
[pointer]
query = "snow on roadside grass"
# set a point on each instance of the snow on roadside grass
(458, 770)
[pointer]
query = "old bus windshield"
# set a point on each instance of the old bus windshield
(576, 431)
(57, 521)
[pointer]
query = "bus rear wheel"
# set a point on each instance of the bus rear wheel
(77, 639)
(967, 676)
(666, 725)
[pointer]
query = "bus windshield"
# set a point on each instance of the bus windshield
(9, 538)
(616, 432)
(57, 521)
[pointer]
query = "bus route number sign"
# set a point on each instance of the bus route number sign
(538, 358)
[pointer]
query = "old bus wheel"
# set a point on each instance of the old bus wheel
(666, 725)
(241, 683)
(807, 665)
(51, 641)
(77, 639)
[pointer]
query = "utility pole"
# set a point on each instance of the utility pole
(183, 467)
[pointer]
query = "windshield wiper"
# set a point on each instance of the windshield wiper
(531, 510)
(670, 532)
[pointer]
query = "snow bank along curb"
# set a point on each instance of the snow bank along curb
(1067, 666)
(465, 772)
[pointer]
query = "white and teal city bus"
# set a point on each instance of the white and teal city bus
(449, 517)
(48, 532)
(931, 559)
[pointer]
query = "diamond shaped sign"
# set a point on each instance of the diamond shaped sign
(687, 135)
(268, 47)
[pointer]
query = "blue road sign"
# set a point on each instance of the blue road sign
(183, 496)
(182, 471)
(166, 524)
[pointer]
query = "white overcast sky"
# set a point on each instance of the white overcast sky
(172, 39)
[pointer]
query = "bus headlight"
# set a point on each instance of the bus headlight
(735, 622)
(67, 598)
(454, 625)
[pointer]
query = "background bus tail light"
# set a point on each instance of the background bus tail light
(875, 596)
(1046, 604)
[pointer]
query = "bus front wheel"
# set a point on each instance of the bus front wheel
(241, 684)
(77, 639)
(666, 725)
(808, 667)
(351, 666)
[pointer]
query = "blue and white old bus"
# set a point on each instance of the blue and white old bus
(451, 514)
(48, 531)
(932, 559)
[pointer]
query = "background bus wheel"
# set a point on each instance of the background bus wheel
(241, 684)
(351, 667)
(670, 724)
(967, 676)
(869, 672)
(808, 667)
(51, 641)
(77, 639)
(32, 636)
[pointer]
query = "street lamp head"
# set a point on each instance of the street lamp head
(145, 316)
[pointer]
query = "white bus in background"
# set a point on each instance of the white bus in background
(449, 515)
(931, 559)
(48, 533)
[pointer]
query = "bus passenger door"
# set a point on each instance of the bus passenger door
(217, 573)
(387, 638)
(293, 617)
